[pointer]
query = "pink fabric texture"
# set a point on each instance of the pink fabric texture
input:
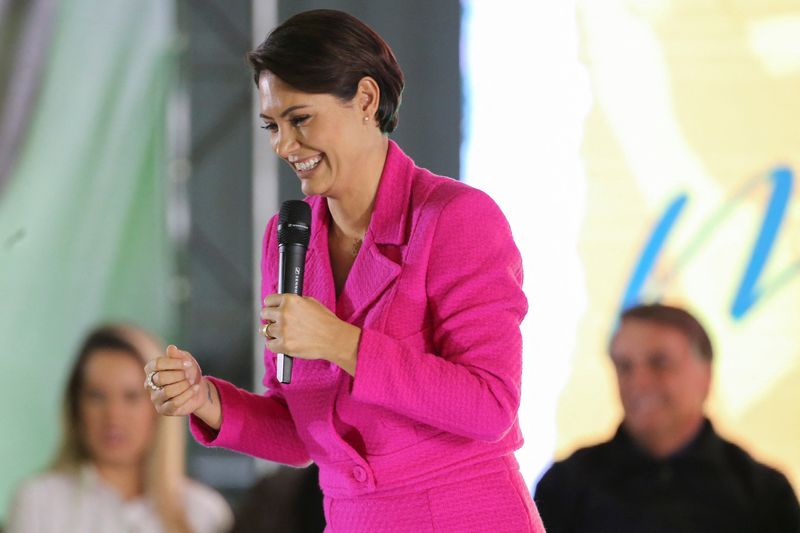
(436, 289)
(494, 499)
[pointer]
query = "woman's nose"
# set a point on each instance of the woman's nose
(285, 143)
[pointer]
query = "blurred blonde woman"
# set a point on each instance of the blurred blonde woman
(120, 467)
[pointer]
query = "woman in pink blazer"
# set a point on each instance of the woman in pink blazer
(408, 353)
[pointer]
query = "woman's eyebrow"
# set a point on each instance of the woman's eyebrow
(286, 111)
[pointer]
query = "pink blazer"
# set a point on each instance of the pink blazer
(436, 289)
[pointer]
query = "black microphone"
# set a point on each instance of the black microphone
(294, 232)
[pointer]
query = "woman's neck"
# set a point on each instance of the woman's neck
(127, 480)
(351, 210)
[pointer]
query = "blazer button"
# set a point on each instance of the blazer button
(359, 474)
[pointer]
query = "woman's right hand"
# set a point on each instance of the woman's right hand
(181, 388)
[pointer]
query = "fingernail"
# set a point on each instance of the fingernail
(186, 364)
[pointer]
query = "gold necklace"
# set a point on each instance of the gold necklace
(356, 246)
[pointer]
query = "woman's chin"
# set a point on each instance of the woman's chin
(118, 460)
(312, 187)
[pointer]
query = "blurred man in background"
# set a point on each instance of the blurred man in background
(666, 469)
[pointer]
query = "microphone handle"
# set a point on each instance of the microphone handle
(290, 281)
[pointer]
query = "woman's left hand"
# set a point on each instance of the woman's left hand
(302, 327)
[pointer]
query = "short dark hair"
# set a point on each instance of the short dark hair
(325, 51)
(677, 318)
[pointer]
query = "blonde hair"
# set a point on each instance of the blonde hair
(164, 471)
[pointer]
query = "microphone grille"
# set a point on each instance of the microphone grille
(294, 223)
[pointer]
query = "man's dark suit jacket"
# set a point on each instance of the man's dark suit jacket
(710, 486)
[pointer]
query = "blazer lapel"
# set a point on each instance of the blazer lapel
(369, 277)
(318, 279)
(379, 261)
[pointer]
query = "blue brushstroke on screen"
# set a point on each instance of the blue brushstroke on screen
(648, 257)
(749, 293)
(752, 288)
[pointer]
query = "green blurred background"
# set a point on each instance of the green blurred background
(82, 214)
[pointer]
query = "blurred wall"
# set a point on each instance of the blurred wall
(215, 267)
(83, 232)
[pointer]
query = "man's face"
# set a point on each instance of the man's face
(663, 382)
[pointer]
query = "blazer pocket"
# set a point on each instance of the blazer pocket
(419, 341)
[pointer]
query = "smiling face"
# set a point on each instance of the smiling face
(323, 139)
(663, 384)
(117, 419)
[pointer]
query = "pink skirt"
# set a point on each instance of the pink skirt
(495, 502)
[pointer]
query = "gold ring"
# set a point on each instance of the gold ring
(149, 381)
(265, 330)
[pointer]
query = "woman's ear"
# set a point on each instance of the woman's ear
(368, 96)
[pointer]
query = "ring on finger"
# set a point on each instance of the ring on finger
(150, 383)
(265, 330)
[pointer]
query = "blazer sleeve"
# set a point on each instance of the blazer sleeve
(258, 425)
(471, 386)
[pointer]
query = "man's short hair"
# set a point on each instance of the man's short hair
(677, 318)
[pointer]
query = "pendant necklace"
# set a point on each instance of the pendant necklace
(356, 246)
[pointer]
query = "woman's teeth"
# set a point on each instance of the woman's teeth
(308, 165)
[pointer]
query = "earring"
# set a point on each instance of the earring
(366, 119)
